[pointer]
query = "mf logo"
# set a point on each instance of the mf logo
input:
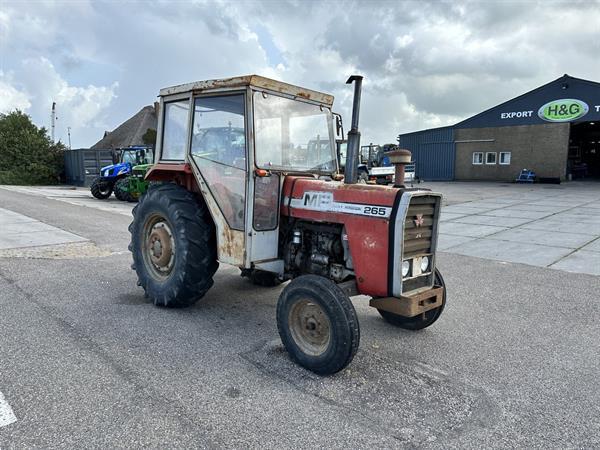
(419, 220)
(320, 200)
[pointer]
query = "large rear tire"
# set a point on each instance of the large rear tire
(422, 320)
(173, 245)
(318, 324)
(101, 189)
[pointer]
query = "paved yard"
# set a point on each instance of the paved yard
(20, 231)
(86, 361)
(75, 196)
(557, 228)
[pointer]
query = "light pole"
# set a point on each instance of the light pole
(69, 134)
(53, 120)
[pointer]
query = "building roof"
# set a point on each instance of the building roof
(131, 131)
(250, 80)
(563, 87)
(525, 108)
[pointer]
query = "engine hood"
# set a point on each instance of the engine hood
(114, 168)
(333, 197)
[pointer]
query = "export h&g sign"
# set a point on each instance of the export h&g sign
(563, 110)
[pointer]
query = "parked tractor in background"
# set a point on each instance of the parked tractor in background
(246, 175)
(374, 164)
(104, 185)
(132, 187)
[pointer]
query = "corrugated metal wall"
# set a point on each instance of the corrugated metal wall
(433, 151)
(83, 165)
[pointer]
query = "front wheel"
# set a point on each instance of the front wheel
(173, 245)
(318, 324)
(422, 320)
(101, 189)
(122, 189)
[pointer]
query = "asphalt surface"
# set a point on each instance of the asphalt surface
(513, 362)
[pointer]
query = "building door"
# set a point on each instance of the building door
(584, 150)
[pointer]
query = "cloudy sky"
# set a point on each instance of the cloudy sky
(426, 64)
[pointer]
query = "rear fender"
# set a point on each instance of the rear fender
(230, 243)
(175, 173)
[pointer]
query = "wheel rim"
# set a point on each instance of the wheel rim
(159, 247)
(310, 327)
(104, 189)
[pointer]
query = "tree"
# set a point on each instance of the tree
(27, 155)
(149, 137)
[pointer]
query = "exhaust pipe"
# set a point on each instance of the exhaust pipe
(351, 171)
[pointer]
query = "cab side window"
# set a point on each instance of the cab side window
(175, 130)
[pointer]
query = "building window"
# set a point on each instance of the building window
(490, 158)
(477, 158)
(505, 158)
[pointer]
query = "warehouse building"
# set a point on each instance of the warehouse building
(553, 130)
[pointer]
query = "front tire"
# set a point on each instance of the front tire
(173, 245)
(422, 320)
(318, 324)
(101, 189)
(121, 189)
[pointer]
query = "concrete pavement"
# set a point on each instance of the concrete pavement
(557, 228)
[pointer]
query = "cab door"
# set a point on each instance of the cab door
(218, 150)
(264, 193)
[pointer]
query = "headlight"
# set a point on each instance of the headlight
(405, 268)
(106, 172)
(424, 264)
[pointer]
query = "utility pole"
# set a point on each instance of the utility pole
(53, 121)
(69, 133)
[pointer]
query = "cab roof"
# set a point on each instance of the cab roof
(255, 81)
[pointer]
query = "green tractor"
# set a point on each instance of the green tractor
(132, 187)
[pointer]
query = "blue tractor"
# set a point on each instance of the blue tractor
(104, 185)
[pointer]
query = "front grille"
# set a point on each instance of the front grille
(419, 226)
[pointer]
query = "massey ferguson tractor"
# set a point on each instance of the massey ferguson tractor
(239, 180)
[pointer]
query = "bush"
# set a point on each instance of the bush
(27, 155)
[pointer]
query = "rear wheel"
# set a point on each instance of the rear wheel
(422, 320)
(173, 246)
(101, 189)
(318, 324)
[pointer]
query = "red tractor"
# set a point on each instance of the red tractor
(247, 175)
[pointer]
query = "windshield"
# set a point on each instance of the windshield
(138, 156)
(292, 135)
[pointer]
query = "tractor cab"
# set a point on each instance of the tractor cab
(241, 138)
(247, 174)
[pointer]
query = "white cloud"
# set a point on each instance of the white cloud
(12, 98)
(425, 64)
(78, 107)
